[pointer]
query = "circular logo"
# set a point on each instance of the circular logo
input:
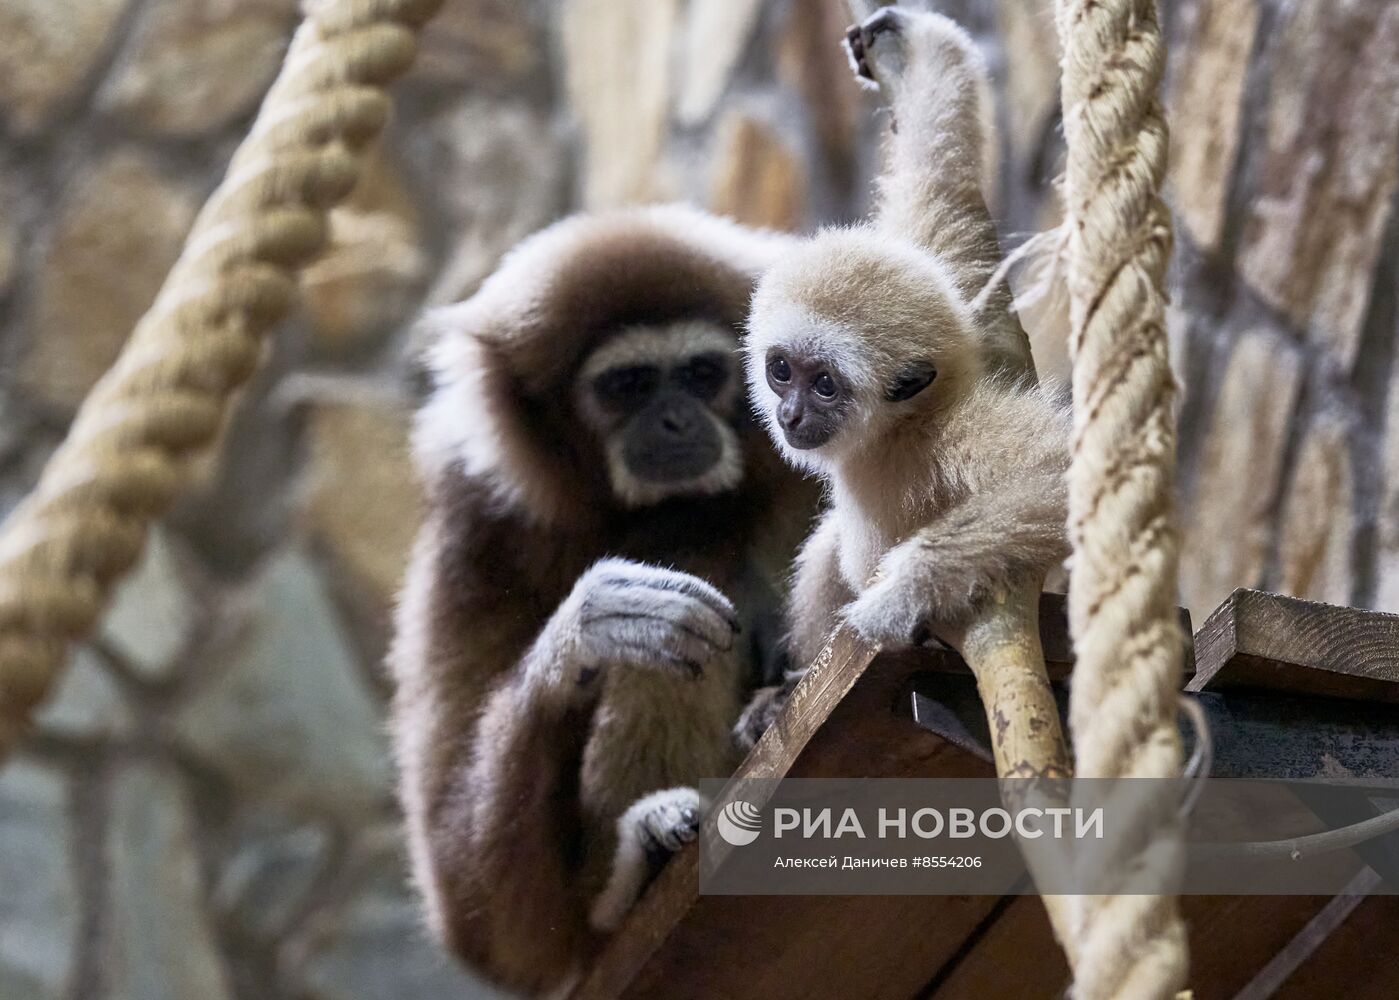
(739, 823)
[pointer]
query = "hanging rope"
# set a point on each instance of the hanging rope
(1121, 520)
(132, 445)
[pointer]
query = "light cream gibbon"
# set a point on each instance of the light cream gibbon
(944, 464)
(597, 584)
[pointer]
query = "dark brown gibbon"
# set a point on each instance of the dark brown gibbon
(597, 585)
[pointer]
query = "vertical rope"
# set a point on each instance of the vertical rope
(137, 435)
(1121, 481)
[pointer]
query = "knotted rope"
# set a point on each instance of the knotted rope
(1121, 521)
(131, 448)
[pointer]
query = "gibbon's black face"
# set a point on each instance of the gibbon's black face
(667, 434)
(663, 400)
(812, 399)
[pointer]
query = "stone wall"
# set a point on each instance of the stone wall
(205, 808)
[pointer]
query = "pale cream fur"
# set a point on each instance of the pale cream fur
(939, 500)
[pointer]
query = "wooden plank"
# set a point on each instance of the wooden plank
(1014, 957)
(1256, 639)
(1230, 937)
(1356, 960)
(849, 719)
(683, 946)
(1259, 641)
(1281, 644)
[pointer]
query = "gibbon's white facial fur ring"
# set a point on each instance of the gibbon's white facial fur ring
(665, 347)
(661, 345)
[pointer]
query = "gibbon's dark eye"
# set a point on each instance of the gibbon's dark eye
(703, 375)
(779, 370)
(824, 385)
(626, 389)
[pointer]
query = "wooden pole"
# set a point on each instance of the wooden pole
(1002, 647)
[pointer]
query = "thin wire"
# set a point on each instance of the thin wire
(1197, 768)
(1312, 844)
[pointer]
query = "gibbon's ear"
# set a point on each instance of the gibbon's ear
(915, 377)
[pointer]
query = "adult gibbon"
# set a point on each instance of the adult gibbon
(597, 583)
(945, 467)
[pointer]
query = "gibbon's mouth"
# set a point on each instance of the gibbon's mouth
(809, 435)
(672, 465)
(653, 484)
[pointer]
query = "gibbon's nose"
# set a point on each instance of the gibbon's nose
(803, 426)
(790, 413)
(677, 421)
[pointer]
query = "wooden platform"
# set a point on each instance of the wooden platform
(852, 717)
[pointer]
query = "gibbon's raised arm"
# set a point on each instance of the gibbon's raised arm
(931, 188)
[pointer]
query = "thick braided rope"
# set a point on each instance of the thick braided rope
(135, 439)
(1121, 518)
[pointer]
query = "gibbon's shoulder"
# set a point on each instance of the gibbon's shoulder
(1024, 422)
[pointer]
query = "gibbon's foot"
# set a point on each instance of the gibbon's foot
(875, 47)
(632, 614)
(762, 710)
(669, 822)
(648, 834)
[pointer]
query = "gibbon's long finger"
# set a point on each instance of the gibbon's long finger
(680, 610)
(678, 631)
(608, 647)
(705, 593)
(670, 582)
(633, 574)
(875, 47)
(641, 640)
(640, 655)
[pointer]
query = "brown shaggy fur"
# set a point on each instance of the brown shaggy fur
(510, 792)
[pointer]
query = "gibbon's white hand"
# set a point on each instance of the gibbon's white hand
(633, 614)
(895, 609)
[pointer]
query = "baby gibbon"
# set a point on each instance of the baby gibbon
(944, 465)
